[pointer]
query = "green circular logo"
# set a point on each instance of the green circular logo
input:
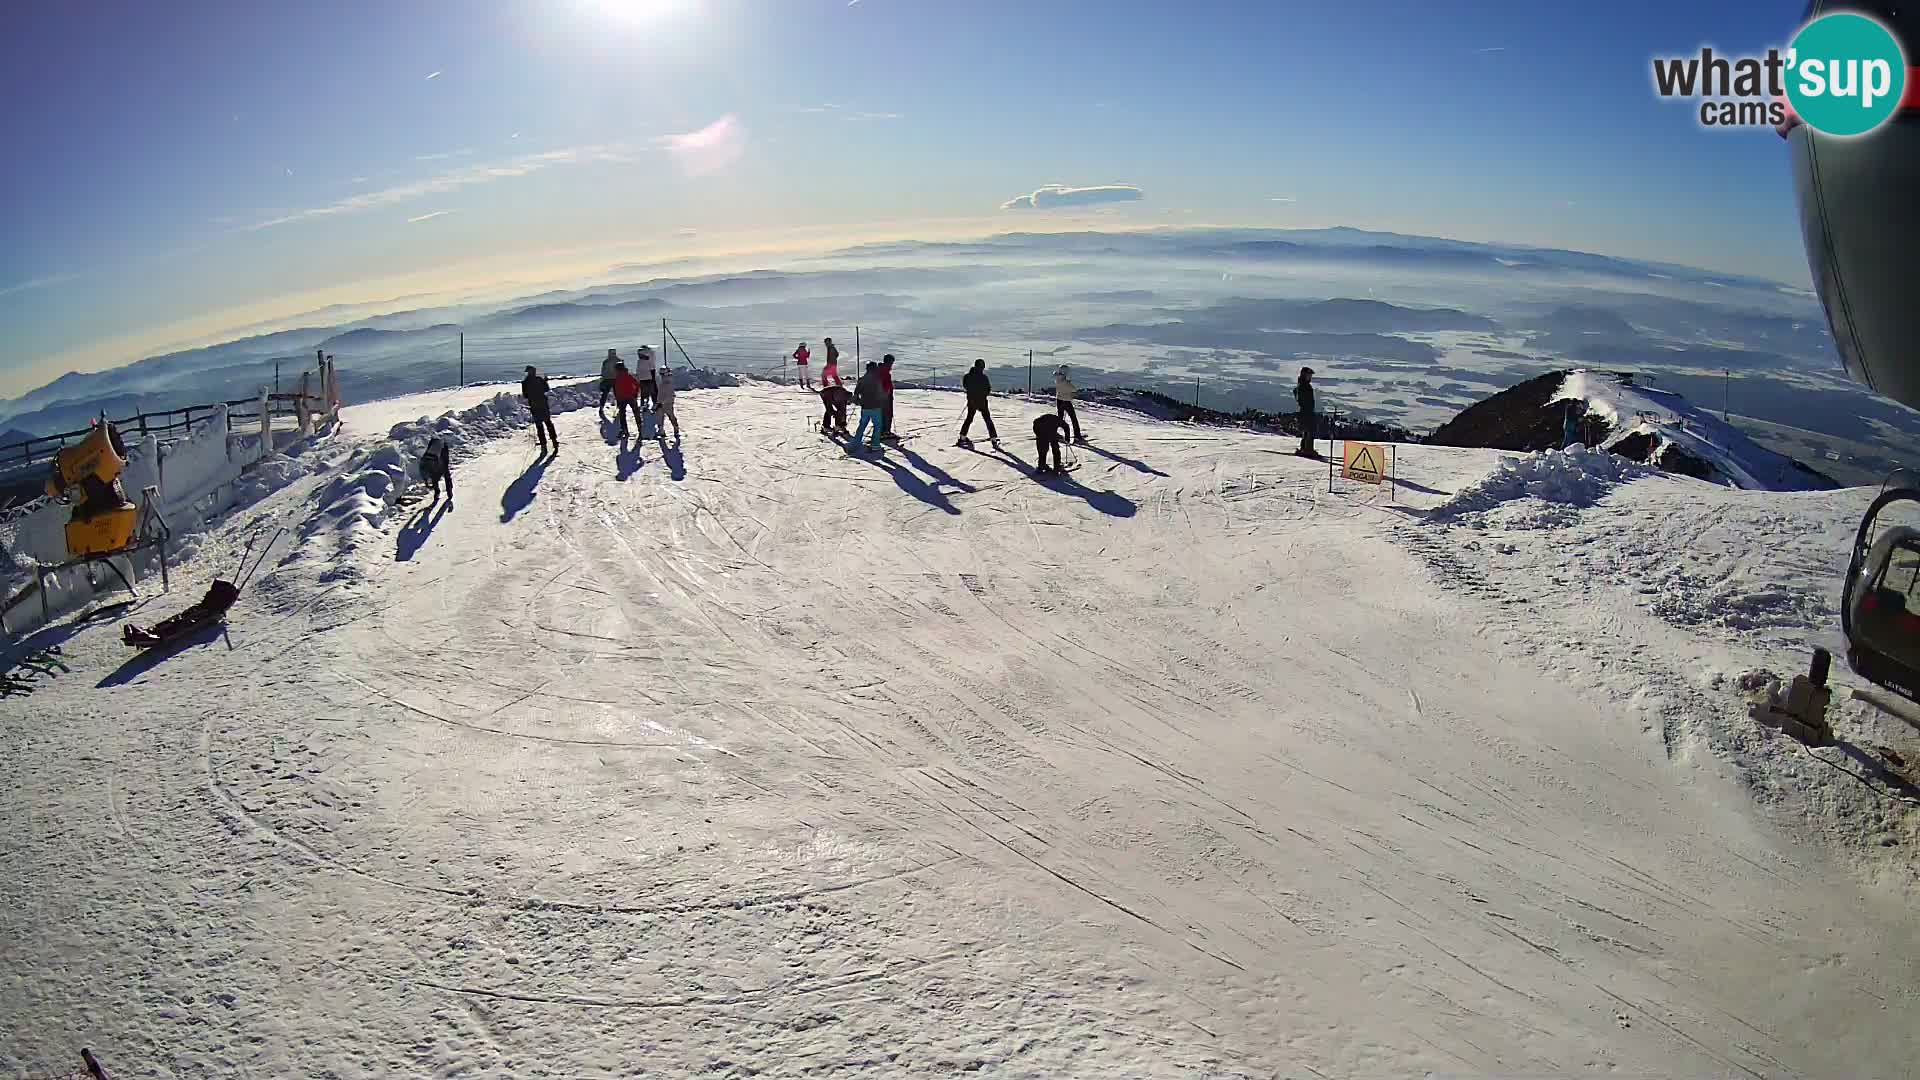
(1845, 74)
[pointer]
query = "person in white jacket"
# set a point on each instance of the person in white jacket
(1063, 401)
(663, 403)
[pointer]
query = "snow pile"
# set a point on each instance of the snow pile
(1662, 428)
(1573, 478)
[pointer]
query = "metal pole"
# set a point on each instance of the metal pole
(856, 351)
(463, 358)
(276, 376)
(663, 340)
(1726, 394)
(1029, 372)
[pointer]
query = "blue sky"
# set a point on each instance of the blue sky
(179, 169)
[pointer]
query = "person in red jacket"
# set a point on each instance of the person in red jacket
(626, 395)
(886, 410)
(800, 356)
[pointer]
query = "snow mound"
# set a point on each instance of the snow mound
(1662, 428)
(1575, 477)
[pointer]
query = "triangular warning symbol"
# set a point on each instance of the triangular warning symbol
(1363, 463)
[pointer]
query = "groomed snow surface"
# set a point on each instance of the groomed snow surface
(748, 757)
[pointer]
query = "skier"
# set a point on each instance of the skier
(1047, 431)
(643, 362)
(872, 399)
(800, 356)
(436, 464)
(834, 398)
(1570, 425)
(1063, 401)
(1309, 422)
(830, 371)
(534, 389)
(663, 407)
(886, 390)
(978, 391)
(626, 395)
(606, 376)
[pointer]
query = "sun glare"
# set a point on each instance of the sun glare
(644, 11)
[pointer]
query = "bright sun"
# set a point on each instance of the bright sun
(645, 11)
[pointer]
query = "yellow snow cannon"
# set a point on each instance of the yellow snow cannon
(103, 520)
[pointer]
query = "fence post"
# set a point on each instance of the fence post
(300, 406)
(266, 424)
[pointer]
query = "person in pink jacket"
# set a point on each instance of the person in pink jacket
(800, 356)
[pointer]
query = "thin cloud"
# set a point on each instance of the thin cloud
(515, 135)
(877, 115)
(709, 149)
(433, 76)
(467, 152)
(1492, 48)
(44, 282)
(428, 217)
(457, 179)
(1281, 198)
(1054, 196)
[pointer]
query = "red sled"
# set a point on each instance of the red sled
(210, 609)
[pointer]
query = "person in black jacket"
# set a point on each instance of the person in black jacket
(1047, 430)
(534, 389)
(978, 391)
(1309, 421)
(834, 398)
(871, 399)
(436, 464)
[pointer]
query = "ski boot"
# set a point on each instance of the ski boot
(964, 443)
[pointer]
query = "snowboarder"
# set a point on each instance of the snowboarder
(800, 356)
(436, 464)
(643, 364)
(626, 395)
(606, 376)
(834, 399)
(830, 371)
(978, 391)
(872, 400)
(886, 390)
(1309, 421)
(663, 406)
(1047, 431)
(1063, 401)
(534, 389)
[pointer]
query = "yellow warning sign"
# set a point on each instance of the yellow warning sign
(1366, 463)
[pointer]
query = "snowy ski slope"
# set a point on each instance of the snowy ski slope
(750, 757)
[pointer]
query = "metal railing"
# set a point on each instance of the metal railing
(171, 425)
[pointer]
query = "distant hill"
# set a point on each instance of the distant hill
(1657, 427)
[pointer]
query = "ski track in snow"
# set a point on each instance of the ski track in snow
(757, 757)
